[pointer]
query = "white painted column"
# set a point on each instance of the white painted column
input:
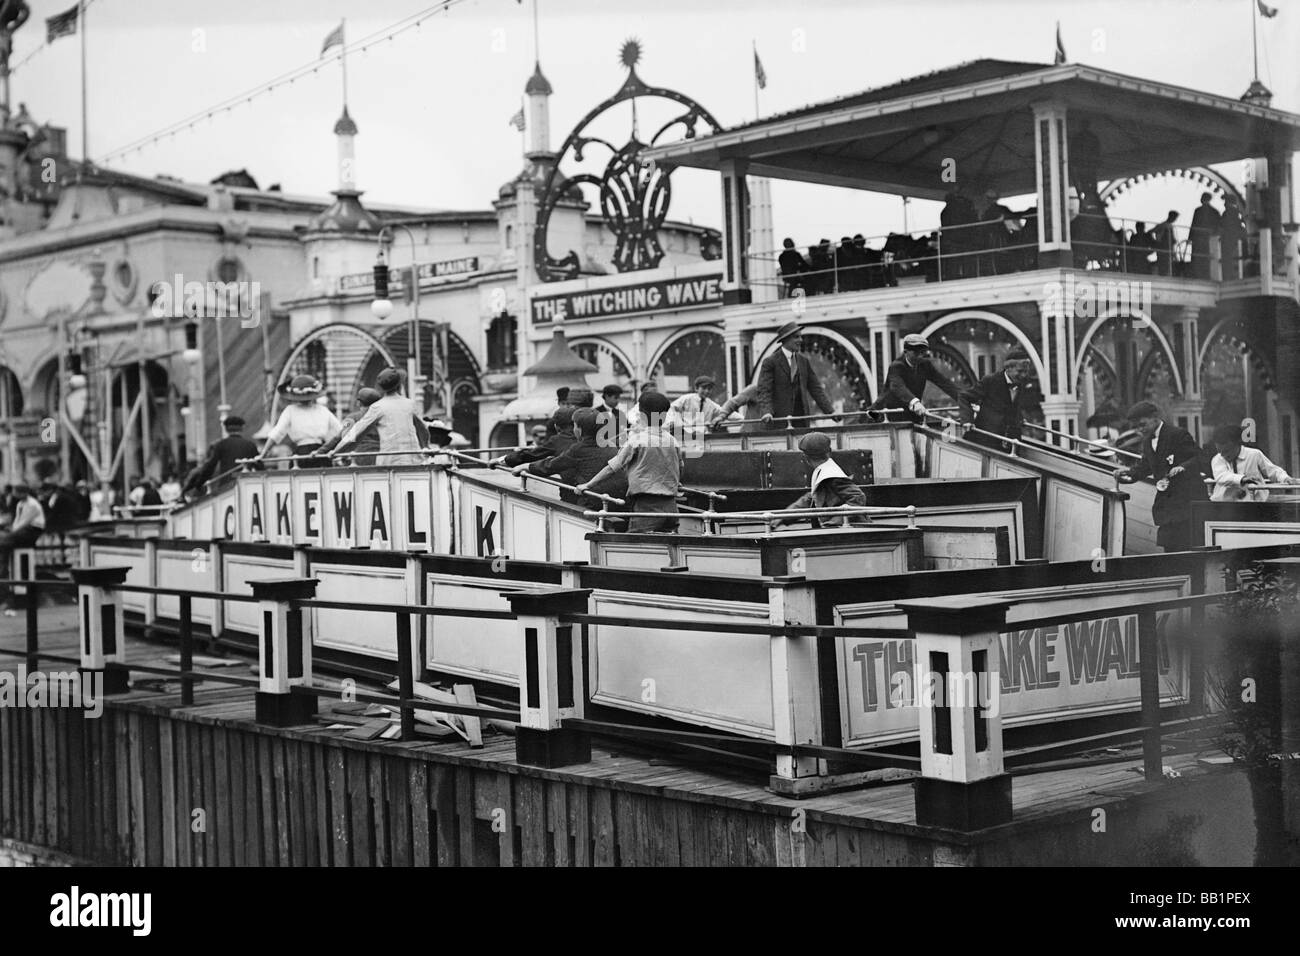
(1051, 173)
(796, 700)
(735, 232)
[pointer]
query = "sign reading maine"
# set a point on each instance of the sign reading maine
(428, 270)
(645, 297)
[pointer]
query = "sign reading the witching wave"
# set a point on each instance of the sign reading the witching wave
(1065, 670)
(625, 300)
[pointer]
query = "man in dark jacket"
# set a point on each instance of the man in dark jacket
(907, 377)
(1005, 400)
(793, 267)
(828, 486)
(223, 455)
(612, 416)
(1206, 222)
(582, 461)
(1171, 457)
(560, 439)
(787, 385)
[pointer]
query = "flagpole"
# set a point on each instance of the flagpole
(343, 59)
(1254, 34)
(85, 145)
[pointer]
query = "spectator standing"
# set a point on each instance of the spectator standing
(1170, 456)
(907, 377)
(787, 385)
(402, 433)
(695, 410)
(1232, 238)
(821, 277)
(305, 424)
(582, 461)
(1164, 241)
(1003, 401)
(794, 269)
(1237, 469)
(1206, 222)
(223, 455)
(652, 460)
(559, 437)
(612, 418)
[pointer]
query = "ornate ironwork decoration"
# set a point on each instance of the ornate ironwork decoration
(633, 195)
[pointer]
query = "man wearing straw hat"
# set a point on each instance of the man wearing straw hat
(401, 429)
(304, 423)
(787, 385)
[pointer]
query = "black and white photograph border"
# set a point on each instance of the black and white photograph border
(543, 433)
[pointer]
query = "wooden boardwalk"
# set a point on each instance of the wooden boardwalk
(155, 783)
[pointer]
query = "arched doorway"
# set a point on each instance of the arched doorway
(343, 357)
(971, 344)
(143, 454)
(1238, 383)
(462, 370)
(1123, 360)
(688, 355)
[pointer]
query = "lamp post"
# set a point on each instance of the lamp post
(382, 308)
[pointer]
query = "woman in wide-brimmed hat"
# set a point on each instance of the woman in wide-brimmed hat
(304, 423)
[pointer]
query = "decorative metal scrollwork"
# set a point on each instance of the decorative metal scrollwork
(633, 195)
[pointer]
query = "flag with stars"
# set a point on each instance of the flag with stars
(61, 25)
(518, 121)
(1264, 11)
(760, 75)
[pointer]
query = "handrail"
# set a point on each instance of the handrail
(525, 477)
(1292, 485)
(1084, 441)
(790, 419)
(163, 509)
(773, 518)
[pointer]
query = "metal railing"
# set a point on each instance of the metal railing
(773, 519)
(1076, 439)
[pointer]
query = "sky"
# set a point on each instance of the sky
(433, 104)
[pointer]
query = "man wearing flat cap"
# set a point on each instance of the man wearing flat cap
(907, 377)
(787, 385)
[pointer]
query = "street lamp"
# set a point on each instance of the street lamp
(382, 307)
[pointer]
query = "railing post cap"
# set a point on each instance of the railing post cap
(785, 581)
(548, 601)
(284, 589)
(98, 577)
(958, 614)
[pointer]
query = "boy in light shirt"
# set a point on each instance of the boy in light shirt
(1237, 469)
(652, 459)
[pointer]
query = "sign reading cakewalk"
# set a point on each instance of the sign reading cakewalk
(625, 300)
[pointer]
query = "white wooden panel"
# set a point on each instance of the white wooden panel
(949, 460)
(277, 508)
(252, 507)
(645, 555)
(239, 570)
(719, 680)
(999, 468)
(702, 559)
(525, 529)
(881, 446)
(108, 556)
(1072, 519)
(204, 520)
(374, 511)
(186, 571)
(308, 511)
(730, 443)
(480, 525)
(373, 633)
(775, 441)
(414, 528)
(1250, 534)
(473, 646)
(339, 511)
(224, 525)
(569, 537)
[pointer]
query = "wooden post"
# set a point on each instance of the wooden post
(22, 568)
(284, 652)
(552, 683)
(151, 579)
(962, 784)
(1149, 686)
(796, 698)
(1288, 658)
(103, 649)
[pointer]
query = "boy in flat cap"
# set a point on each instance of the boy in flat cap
(829, 487)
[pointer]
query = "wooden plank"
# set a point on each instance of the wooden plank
(339, 807)
(286, 826)
(579, 813)
(122, 750)
(464, 793)
(151, 775)
(296, 788)
(557, 822)
(716, 840)
(236, 796)
(736, 845)
(36, 763)
(167, 790)
(8, 772)
(379, 809)
(310, 789)
(214, 793)
(61, 717)
(219, 822)
(423, 837)
(464, 694)
(361, 824)
(442, 797)
(266, 800)
(691, 830)
(823, 843)
(400, 808)
(602, 826)
(199, 765)
(530, 802)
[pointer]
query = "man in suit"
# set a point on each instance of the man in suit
(999, 403)
(1171, 457)
(1206, 222)
(907, 377)
(223, 455)
(793, 267)
(787, 385)
(613, 420)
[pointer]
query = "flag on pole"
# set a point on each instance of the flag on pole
(760, 75)
(61, 25)
(1060, 46)
(518, 121)
(1266, 11)
(334, 39)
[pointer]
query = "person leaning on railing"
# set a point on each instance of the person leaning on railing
(223, 456)
(582, 461)
(367, 443)
(907, 377)
(1171, 457)
(734, 404)
(652, 459)
(1238, 469)
(401, 429)
(561, 437)
(828, 487)
(28, 525)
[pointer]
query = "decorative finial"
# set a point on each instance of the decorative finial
(630, 55)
